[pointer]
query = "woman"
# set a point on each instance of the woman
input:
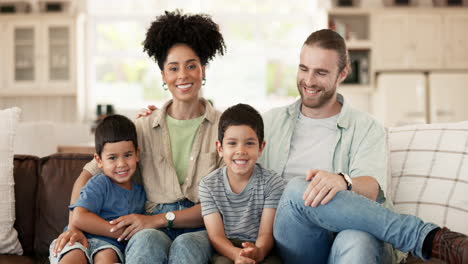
(177, 148)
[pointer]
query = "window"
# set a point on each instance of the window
(263, 41)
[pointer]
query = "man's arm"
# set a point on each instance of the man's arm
(367, 167)
(214, 226)
(324, 185)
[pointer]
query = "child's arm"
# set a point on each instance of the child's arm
(264, 242)
(91, 223)
(214, 226)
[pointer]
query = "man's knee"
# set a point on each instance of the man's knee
(294, 190)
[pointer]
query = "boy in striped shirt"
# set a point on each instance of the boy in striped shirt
(239, 201)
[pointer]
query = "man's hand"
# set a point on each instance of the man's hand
(70, 236)
(132, 224)
(323, 187)
(146, 112)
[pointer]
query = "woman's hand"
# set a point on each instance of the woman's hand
(146, 112)
(132, 224)
(70, 236)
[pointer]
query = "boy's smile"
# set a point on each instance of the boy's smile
(240, 150)
(118, 162)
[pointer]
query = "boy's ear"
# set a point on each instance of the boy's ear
(98, 159)
(262, 146)
(137, 153)
(219, 148)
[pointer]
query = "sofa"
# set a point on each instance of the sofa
(42, 194)
(428, 176)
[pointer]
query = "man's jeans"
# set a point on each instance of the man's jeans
(164, 245)
(349, 229)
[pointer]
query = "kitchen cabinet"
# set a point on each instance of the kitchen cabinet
(456, 41)
(448, 94)
(41, 56)
(407, 40)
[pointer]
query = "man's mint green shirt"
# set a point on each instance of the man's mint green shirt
(360, 147)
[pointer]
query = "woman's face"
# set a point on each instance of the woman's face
(183, 73)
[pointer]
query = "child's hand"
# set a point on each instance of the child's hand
(243, 260)
(250, 250)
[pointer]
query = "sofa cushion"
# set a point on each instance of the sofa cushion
(25, 174)
(57, 174)
(9, 243)
(430, 172)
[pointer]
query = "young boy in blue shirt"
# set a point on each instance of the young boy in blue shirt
(239, 201)
(107, 196)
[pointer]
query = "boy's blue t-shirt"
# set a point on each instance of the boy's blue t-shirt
(110, 201)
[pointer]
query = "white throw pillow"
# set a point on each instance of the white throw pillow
(430, 172)
(9, 243)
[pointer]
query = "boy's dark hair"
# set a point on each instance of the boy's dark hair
(197, 31)
(241, 114)
(114, 128)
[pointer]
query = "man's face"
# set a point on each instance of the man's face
(318, 76)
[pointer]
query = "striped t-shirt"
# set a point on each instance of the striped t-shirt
(241, 213)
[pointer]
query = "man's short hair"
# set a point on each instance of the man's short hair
(241, 114)
(114, 128)
(330, 40)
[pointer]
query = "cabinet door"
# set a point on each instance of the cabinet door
(456, 41)
(24, 54)
(59, 54)
(448, 97)
(401, 98)
(391, 41)
(425, 43)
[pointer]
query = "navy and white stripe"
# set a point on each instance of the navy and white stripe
(241, 212)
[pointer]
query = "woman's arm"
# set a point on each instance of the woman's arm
(187, 218)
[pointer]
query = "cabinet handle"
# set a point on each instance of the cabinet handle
(444, 113)
(415, 114)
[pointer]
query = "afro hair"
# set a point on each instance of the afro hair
(197, 31)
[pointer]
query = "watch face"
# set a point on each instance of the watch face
(170, 216)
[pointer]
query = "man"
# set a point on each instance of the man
(315, 143)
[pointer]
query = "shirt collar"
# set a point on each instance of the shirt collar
(210, 112)
(343, 117)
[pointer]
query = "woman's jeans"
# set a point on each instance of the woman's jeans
(349, 229)
(185, 245)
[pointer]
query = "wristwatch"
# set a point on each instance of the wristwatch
(349, 182)
(170, 217)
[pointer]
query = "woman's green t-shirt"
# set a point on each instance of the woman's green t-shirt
(182, 134)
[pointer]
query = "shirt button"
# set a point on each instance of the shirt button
(191, 158)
